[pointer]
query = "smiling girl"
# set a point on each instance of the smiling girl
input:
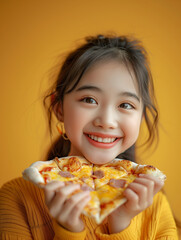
(103, 92)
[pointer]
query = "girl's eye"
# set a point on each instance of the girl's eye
(126, 106)
(89, 100)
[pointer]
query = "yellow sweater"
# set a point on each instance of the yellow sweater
(23, 215)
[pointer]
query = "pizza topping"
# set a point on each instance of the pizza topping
(126, 164)
(117, 183)
(85, 187)
(46, 178)
(85, 164)
(73, 165)
(66, 174)
(45, 169)
(145, 169)
(98, 174)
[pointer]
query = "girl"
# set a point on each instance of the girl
(103, 92)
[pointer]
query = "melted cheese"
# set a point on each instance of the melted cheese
(107, 193)
(109, 173)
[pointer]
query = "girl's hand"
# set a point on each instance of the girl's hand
(66, 210)
(139, 196)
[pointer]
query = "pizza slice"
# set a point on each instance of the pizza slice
(106, 182)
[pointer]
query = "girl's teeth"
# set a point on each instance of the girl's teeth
(104, 140)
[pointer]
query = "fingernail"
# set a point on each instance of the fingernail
(141, 175)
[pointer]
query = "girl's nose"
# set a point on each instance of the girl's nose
(106, 119)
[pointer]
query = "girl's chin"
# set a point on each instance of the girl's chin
(96, 157)
(99, 160)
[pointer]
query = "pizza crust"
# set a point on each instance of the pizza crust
(32, 173)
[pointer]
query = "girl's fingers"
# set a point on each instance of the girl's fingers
(65, 191)
(149, 184)
(50, 189)
(73, 216)
(72, 204)
(60, 202)
(56, 204)
(77, 210)
(158, 183)
(132, 199)
(141, 191)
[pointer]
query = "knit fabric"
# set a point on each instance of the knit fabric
(24, 216)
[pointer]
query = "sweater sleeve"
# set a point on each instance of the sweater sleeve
(63, 234)
(166, 228)
(128, 233)
(13, 224)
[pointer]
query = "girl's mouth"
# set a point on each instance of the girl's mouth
(101, 141)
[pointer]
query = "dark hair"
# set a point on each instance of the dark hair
(102, 48)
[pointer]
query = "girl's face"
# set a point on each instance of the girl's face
(102, 115)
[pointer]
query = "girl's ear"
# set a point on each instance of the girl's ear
(58, 110)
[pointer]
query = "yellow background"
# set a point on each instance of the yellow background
(34, 33)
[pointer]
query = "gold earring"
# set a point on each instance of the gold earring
(61, 130)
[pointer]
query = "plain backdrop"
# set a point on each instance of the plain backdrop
(34, 34)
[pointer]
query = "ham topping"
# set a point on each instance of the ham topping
(117, 183)
(98, 174)
(85, 187)
(66, 174)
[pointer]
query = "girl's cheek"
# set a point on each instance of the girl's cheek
(131, 127)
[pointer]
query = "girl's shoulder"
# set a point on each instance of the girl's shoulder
(160, 206)
(23, 203)
(15, 184)
(19, 189)
(159, 199)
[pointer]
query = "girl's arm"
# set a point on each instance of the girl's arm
(13, 216)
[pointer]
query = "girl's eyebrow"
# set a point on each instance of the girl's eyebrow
(130, 94)
(90, 87)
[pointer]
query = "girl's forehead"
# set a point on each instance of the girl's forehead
(110, 74)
